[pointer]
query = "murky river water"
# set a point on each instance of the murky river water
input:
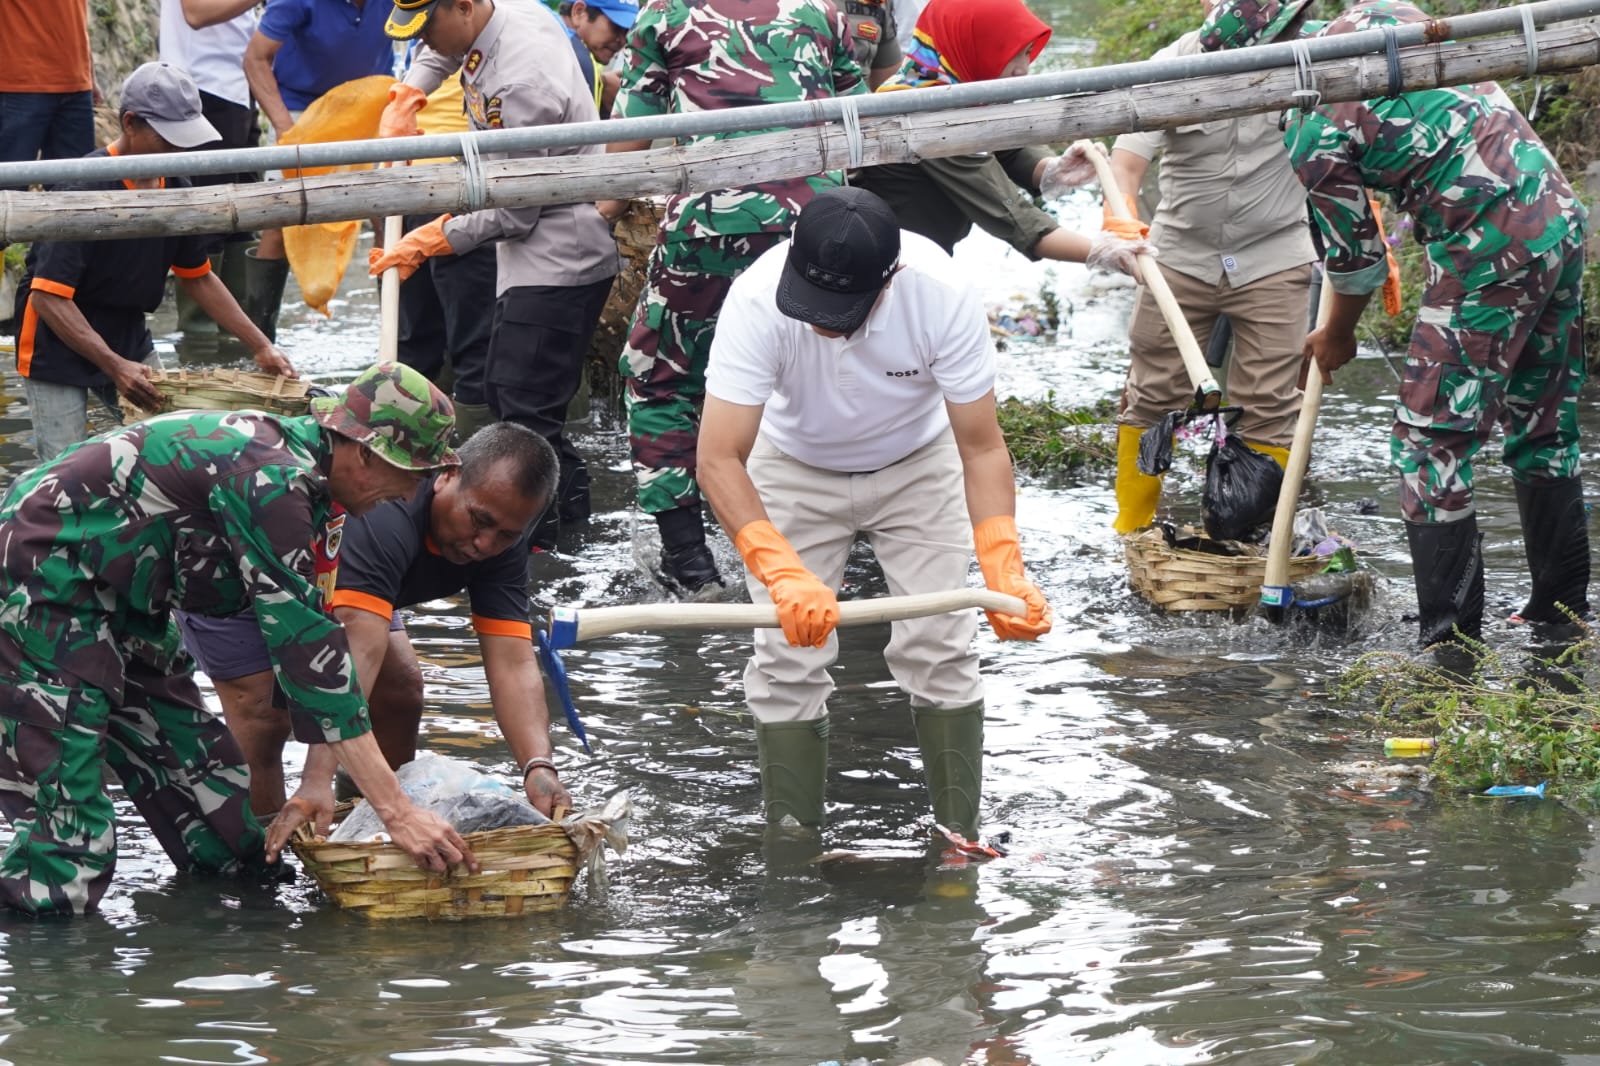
(1194, 874)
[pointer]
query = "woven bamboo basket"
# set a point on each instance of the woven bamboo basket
(1181, 579)
(523, 870)
(223, 390)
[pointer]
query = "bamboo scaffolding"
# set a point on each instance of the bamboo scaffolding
(1519, 18)
(766, 157)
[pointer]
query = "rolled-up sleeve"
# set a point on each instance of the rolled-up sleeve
(268, 516)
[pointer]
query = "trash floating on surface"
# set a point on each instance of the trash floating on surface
(1536, 791)
(1408, 747)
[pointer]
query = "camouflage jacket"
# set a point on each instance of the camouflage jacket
(706, 55)
(1483, 192)
(208, 512)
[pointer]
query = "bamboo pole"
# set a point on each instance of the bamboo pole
(1521, 18)
(1207, 393)
(1275, 591)
(436, 189)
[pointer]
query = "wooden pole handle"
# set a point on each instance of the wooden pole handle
(1208, 394)
(389, 297)
(1294, 473)
(570, 625)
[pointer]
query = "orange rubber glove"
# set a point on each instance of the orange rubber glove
(807, 609)
(406, 256)
(1000, 559)
(1129, 229)
(400, 116)
(1391, 282)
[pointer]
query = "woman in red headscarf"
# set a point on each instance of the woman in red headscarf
(957, 41)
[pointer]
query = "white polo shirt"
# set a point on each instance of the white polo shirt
(863, 402)
(213, 56)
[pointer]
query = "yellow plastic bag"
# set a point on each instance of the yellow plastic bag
(318, 254)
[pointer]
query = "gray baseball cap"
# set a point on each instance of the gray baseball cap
(166, 97)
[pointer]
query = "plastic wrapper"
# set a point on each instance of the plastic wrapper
(606, 823)
(456, 791)
(1241, 490)
(1155, 444)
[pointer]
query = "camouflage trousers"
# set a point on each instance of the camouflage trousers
(176, 762)
(663, 367)
(1510, 352)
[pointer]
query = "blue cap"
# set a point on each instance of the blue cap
(622, 12)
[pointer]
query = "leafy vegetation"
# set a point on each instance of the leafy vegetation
(1499, 723)
(1046, 437)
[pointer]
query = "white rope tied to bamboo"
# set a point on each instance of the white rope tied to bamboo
(855, 144)
(477, 183)
(1530, 35)
(1306, 94)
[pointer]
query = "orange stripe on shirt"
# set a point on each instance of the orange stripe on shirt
(362, 601)
(54, 288)
(193, 272)
(501, 627)
(30, 325)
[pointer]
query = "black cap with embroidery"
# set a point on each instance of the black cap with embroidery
(844, 249)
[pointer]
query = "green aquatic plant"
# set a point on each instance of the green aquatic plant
(1046, 437)
(1497, 721)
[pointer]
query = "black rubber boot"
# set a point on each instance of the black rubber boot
(686, 560)
(1555, 534)
(794, 770)
(264, 280)
(1447, 565)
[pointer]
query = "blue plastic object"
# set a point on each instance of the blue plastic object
(563, 627)
(1536, 791)
(551, 659)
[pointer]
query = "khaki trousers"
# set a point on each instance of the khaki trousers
(914, 515)
(1269, 330)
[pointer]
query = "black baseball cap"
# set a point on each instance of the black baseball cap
(844, 249)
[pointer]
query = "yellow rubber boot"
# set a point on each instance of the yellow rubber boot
(1272, 451)
(1137, 493)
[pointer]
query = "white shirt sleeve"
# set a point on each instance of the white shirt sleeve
(744, 360)
(963, 360)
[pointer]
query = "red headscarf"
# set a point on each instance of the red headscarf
(977, 38)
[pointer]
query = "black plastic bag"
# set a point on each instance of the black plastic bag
(1155, 444)
(1241, 491)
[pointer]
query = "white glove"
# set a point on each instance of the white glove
(1115, 254)
(1067, 171)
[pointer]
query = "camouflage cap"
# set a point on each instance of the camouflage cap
(1241, 23)
(396, 412)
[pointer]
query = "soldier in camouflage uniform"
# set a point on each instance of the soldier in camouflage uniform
(702, 55)
(1499, 336)
(207, 513)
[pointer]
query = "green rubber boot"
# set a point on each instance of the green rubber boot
(951, 739)
(471, 417)
(264, 280)
(794, 769)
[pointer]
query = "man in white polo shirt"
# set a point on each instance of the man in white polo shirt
(851, 390)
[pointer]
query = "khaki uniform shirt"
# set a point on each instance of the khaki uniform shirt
(1230, 202)
(521, 72)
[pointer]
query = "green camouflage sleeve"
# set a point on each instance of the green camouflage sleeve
(646, 83)
(848, 79)
(1322, 150)
(268, 516)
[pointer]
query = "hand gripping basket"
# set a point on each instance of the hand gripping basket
(1183, 579)
(223, 390)
(522, 870)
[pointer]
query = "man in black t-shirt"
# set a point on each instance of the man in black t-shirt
(464, 530)
(81, 305)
